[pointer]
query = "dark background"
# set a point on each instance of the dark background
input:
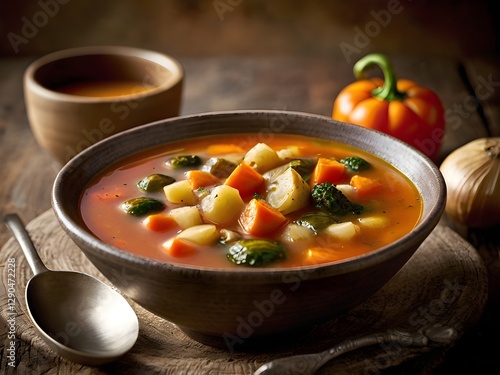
(196, 28)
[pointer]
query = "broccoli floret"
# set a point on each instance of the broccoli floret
(327, 197)
(355, 163)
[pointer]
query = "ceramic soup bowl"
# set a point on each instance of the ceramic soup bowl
(232, 308)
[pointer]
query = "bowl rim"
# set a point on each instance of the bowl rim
(103, 250)
(168, 62)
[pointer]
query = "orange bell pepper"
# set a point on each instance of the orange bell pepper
(400, 108)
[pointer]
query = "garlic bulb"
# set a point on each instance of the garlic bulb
(472, 175)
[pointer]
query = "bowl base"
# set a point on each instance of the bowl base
(261, 343)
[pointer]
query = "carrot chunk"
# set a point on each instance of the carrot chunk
(327, 170)
(179, 248)
(160, 222)
(200, 178)
(223, 149)
(259, 218)
(121, 244)
(365, 186)
(245, 179)
(318, 255)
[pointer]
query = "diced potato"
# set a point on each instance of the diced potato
(187, 216)
(295, 233)
(204, 234)
(342, 231)
(290, 152)
(180, 192)
(201, 193)
(223, 205)
(288, 192)
(373, 222)
(348, 190)
(273, 174)
(262, 158)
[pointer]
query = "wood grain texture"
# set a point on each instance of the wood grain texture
(484, 77)
(444, 283)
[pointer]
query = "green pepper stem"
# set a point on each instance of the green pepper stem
(389, 90)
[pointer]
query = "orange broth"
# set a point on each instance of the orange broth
(398, 202)
(103, 88)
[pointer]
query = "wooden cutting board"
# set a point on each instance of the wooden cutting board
(444, 283)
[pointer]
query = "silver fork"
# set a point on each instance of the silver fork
(308, 364)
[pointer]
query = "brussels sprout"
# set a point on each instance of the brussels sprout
(184, 161)
(316, 221)
(355, 163)
(255, 252)
(142, 206)
(154, 182)
(219, 167)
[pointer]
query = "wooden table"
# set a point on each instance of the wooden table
(469, 90)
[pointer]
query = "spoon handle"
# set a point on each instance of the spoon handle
(17, 227)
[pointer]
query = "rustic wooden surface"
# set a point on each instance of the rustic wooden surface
(445, 283)
(308, 85)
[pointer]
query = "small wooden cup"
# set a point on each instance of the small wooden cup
(65, 124)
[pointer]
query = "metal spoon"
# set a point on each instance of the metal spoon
(308, 364)
(78, 316)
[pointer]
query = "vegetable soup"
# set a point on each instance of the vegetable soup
(230, 201)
